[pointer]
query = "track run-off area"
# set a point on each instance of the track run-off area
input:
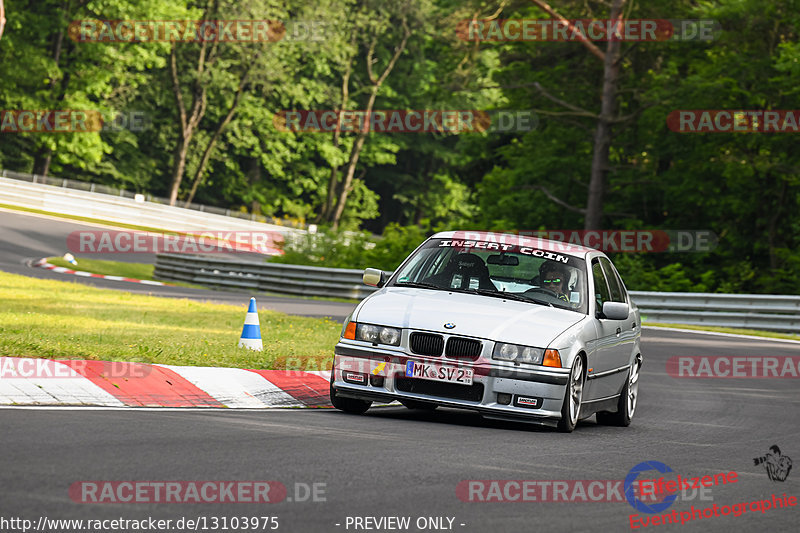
(394, 469)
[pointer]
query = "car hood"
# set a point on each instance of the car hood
(473, 315)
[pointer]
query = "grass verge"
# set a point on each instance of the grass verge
(118, 268)
(63, 320)
(107, 268)
(735, 331)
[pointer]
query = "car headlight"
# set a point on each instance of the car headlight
(517, 353)
(378, 334)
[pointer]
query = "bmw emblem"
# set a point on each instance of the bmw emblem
(449, 325)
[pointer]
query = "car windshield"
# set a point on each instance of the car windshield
(523, 273)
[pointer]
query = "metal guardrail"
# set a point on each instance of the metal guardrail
(754, 311)
(102, 194)
(268, 277)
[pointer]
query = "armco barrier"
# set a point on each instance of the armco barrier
(269, 277)
(755, 311)
(72, 197)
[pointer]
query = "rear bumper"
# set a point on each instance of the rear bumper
(375, 374)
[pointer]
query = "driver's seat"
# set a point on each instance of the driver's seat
(464, 271)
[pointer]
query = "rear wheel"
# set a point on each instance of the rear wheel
(572, 398)
(349, 405)
(627, 401)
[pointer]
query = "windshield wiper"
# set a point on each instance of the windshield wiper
(419, 285)
(537, 301)
(482, 292)
(498, 294)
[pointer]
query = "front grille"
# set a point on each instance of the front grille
(472, 393)
(426, 343)
(460, 348)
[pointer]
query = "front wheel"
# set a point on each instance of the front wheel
(627, 401)
(572, 398)
(349, 405)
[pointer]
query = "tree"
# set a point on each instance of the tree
(380, 18)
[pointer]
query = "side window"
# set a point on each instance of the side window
(617, 292)
(601, 294)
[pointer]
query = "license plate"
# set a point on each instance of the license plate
(450, 374)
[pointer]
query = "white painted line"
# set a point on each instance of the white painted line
(736, 335)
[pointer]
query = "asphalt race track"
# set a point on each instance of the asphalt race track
(393, 462)
(25, 238)
(396, 462)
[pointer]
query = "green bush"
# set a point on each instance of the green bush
(353, 249)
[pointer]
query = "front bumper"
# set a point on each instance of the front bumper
(377, 374)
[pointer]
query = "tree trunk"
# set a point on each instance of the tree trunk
(41, 165)
(602, 136)
(254, 175)
(188, 123)
(198, 176)
(362, 135)
(355, 153)
(333, 181)
(178, 167)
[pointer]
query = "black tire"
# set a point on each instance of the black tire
(419, 405)
(349, 405)
(628, 399)
(573, 395)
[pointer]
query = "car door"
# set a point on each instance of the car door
(629, 329)
(604, 366)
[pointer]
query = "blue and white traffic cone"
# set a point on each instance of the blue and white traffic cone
(251, 332)
(69, 258)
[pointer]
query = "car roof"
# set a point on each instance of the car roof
(574, 250)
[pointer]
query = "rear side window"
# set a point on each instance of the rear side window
(601, 293)
(617, 291)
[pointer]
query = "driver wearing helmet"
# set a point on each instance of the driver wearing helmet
(555, 278)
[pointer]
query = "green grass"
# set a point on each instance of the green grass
(63, 320)
(107, 268)
(736, 331)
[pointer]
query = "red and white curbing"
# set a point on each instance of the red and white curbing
(30, 381)
(42, 263)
